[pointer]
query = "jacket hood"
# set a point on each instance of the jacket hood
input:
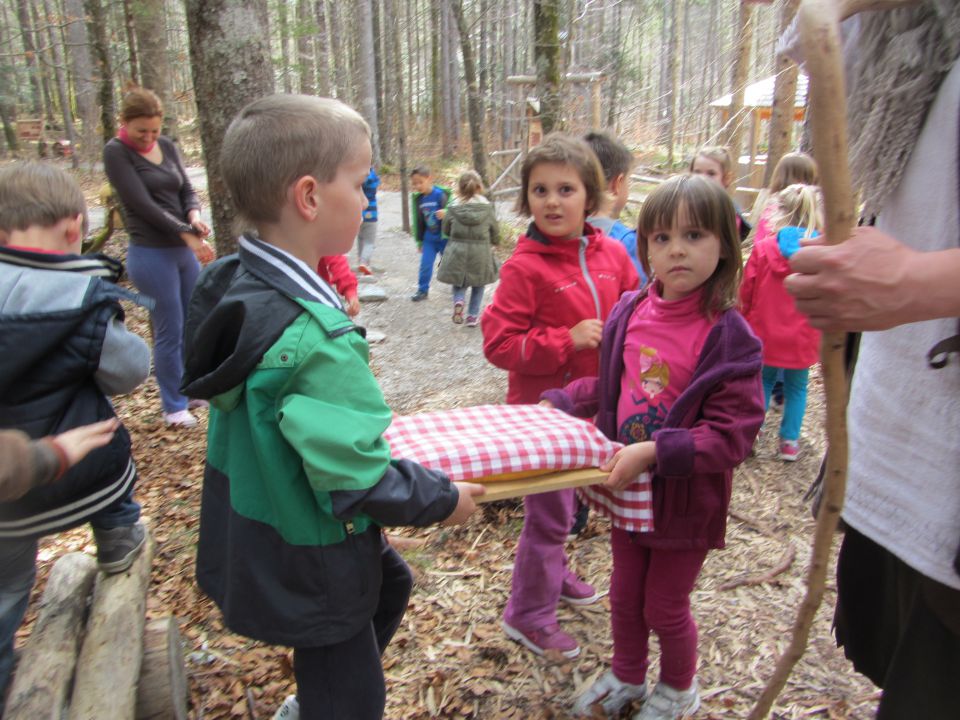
(471, 213)
(770, 252)
(240, 307)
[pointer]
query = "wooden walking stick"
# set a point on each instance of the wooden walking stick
(818, 23)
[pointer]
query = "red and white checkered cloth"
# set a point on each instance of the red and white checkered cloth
(476, 442)
(629, 509)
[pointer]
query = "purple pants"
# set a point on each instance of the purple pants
(541, 560)
(650, 590)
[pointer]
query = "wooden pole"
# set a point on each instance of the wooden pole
(819, 34)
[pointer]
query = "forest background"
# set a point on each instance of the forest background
(447, 82)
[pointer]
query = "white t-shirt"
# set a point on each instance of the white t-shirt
(904, 417)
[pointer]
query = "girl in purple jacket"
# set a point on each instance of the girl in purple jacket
(680, 384)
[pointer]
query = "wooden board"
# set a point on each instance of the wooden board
(505, 489)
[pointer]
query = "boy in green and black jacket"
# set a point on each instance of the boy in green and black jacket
(298, 477)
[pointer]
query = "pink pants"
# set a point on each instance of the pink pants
(540, 566)
(650, 590)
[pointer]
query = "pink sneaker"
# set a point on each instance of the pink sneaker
(458, 312)
(575, 591)
(472, 320)
(789, 450)
(550, 637)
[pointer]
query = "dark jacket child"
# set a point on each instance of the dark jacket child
(427, 204)
(64, 349)
(299, 479)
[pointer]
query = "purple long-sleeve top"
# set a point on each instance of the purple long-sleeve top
(708, 431)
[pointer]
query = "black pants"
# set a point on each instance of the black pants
(899, 628)
(345, 681)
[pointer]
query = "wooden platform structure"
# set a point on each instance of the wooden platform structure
(758, 104)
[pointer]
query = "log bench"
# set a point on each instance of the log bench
(92, 653)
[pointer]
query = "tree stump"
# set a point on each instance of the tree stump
(109, 664)
(162, 689)
(42, 681)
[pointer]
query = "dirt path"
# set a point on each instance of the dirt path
(425, 361)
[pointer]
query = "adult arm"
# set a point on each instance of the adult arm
(188, 196)
(873, 282)
(123, 176)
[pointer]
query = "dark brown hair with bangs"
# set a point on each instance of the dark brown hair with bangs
(706, 205)
(563, 149)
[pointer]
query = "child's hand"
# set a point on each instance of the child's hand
(352, 306)
(546, 403)
(440, 213)
(586, 334)
(628, 463)
(78, 442)
(465, 503)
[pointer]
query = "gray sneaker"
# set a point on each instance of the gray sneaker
(610, 693)
(667, 703)
(118, 547)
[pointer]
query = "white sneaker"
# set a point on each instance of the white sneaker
(290, 710)
(667, 703)
(612, 694)
(181, 418)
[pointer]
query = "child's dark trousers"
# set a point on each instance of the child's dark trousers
(345, 681)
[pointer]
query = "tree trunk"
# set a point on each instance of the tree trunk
(379, 50)
(437, 125)
(84, 83)
(283, 30)
(108, 666)
(97, 29)
(617, 52)
(306, 31)
(673, 51)
(322, 45)
(230, 57)
(741, 68)
(132, 58)
(474, 105)
(784, 97)
(339, 52)
(546, 54)
(150, 28)
(42, 684)
(397, 106)
(368, 78)
(30, 53)
(56, 55)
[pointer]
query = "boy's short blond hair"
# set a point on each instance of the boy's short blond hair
(277, 139)
(37, 193)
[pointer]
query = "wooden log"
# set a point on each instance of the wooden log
(162, 689)
(109, 664)
(41, 684)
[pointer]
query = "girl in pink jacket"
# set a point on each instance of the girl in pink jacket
(790, 344)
